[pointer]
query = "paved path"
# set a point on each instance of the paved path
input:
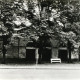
(40, 72)
(41, 66)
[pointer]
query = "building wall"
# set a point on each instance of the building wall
(12, 52)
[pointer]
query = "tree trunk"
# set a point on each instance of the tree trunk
(18, 47)
(40, 55)
(4, 56)
(69, 56)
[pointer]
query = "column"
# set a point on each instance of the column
(36, 55)
(54, 52)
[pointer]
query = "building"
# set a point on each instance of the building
(31, 53)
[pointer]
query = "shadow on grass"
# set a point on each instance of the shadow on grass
(16, 61)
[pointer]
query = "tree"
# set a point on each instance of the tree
(29, 17)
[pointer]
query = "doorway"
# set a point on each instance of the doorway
(30, 55)
(46, 55)
(63, 55)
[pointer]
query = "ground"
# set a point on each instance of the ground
(40, 72)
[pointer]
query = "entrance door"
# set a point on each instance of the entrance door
(30, 55)
(46, 55)
(63, 55)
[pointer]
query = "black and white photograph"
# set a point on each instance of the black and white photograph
(39, 39)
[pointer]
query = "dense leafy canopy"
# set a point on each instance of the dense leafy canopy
(30, 19)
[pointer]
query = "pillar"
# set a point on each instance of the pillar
(36, 55)
(54, 52)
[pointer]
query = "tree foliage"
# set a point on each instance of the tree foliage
(30, 18)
